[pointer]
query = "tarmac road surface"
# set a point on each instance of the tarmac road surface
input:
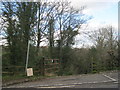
(102, 80)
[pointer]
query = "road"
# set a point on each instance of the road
(101, 80)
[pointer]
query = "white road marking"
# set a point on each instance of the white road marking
(109, 77)
(116, 82)
(58, 86)
(46, 87)
(68, 86)
(97, 82)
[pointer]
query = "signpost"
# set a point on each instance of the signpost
(29, 71)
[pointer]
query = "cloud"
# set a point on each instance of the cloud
(92, 5)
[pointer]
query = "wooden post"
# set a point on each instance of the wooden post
(42, 67)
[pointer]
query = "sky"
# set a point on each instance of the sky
(104, 12)
(107, 14)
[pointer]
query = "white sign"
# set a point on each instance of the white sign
(29, 72)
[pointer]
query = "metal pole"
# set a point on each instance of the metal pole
(27, 56)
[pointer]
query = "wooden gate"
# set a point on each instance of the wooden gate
(51, 66)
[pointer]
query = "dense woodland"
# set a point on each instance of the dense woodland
(56, 24)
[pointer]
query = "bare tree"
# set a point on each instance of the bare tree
(105, 42)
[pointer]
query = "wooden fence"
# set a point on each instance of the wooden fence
(48, 66)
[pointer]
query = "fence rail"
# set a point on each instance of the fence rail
(52, 59)
(51, 64)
